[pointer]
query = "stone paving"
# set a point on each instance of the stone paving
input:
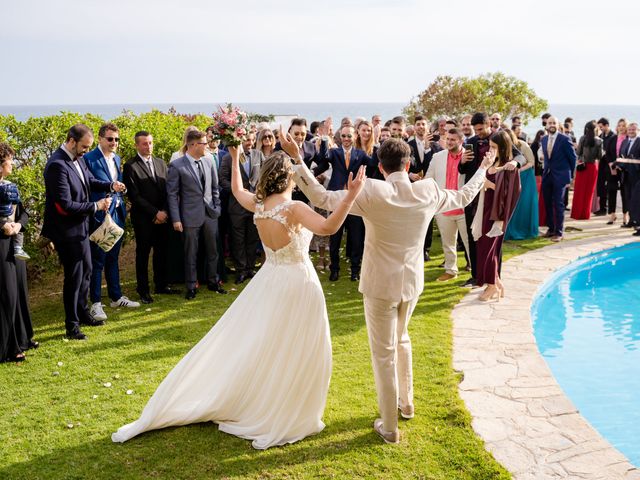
(518, 409)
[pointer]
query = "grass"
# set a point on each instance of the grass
(42, 398)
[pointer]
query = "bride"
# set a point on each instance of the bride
(262, 372)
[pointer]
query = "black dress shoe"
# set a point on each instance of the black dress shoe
(92, 322)
(333, 276)
(637, 233)
(216, 287)
(166, 291)
(240, 278)
(76, 335)
(146, 298)
(626, 225)
(355, 276)
(191, 294)
(33, 344)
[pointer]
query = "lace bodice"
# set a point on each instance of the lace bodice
(297, 250)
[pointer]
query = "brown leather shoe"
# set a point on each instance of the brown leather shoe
(557, 238)
(445, 277)
(407, 412)
(388, 437)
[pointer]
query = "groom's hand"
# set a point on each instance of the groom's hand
(177, 226)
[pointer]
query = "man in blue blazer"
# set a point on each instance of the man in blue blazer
(559, 165)
(629, 164)
(68, 184)
(344, 160)
(105, 165)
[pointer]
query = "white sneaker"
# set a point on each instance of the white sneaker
(124, 302)
(97, 311)
(20, 254)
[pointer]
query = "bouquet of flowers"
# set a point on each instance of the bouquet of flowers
(230, 125)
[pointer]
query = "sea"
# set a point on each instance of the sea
(581, 114)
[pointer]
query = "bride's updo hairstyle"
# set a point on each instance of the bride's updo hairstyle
(275, 174)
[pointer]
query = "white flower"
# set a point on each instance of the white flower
(60, 364)
(129, 392)
(108, 384)
(69, 425)
(55, 374)
(94, 397)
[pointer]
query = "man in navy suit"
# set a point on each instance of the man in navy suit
(68, 184)
(344, 160)
(630, 166)
(559, 165)
(298, 131)
(105, 164)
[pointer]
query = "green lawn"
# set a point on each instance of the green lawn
(41, 398)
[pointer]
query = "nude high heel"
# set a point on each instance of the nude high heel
(490, 293)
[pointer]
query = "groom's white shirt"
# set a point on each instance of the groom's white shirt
(396, 215)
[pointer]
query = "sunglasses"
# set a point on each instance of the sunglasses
(346, 135)
(112, 139)
(267, 136)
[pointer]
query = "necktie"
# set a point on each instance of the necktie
(628, 149)
(347, 158)
(215, 160)
(149, 164)
(201, 174)
(247, 165)
(550, 146)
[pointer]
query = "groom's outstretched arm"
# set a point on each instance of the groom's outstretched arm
(319, 196)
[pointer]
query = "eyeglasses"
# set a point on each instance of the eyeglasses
(346, 135)
(112, 139)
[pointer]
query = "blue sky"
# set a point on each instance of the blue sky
(139, 51)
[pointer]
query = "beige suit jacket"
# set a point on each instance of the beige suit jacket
(396, 215)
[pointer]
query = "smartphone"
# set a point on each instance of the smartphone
(435, 137)
(468, 146)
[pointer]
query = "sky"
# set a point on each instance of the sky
(66, 52)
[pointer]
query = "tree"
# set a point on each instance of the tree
(490, 93)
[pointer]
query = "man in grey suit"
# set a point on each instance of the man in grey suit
(194, 207)
(243, 235)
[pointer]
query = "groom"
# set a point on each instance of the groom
(396, 214)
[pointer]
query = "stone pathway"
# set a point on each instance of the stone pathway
(518, 409)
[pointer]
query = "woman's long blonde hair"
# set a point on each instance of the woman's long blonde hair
(368, 147)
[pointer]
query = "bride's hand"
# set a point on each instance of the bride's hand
(355, 185)
(289, 146)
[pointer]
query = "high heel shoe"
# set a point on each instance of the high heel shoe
(490, 293)
(612, 219)
(501, 291)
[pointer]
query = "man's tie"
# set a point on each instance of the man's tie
(215, 160)
(550, 146)
(149, 164)
(628, 149)
(347, 158)
(201, 174)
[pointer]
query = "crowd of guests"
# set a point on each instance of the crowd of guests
(184, 213)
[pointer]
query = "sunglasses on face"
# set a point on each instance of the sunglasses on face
(267, 137)
(346, 135)
(112, 139)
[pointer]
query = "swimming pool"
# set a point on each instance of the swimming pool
(586, 321)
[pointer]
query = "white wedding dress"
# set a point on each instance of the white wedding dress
(262, 372)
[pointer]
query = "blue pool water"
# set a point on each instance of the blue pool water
(587, 325)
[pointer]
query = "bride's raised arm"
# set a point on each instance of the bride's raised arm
(244, 197)
(308, 218)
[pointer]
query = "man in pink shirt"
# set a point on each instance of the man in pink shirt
(444, 170)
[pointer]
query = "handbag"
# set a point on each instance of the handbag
(581, 166)
(107, 234)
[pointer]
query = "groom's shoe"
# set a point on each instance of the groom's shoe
(333, 276)
(407, 412)
(388, 437)
(191, 294)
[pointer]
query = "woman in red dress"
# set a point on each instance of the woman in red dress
(589, 154)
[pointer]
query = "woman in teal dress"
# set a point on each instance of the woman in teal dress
(524, 222)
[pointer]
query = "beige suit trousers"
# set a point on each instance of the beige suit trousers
(390, 346)
(449, 226)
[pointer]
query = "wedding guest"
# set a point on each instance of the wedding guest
(385, 134)
(213, 149)
(495, 207)
(630, 149)
(104, 163)
(559, 164)
(183, 149)
(604, 172)
(345, 122)
(443, 169)
(589, 154)
(344, 160)
(68, 184)
(194, 208)
(496, 122)
(298, 130)
(468, 165)
(397, 127)
(524, 222)
(146, 179)
(243, 234)
(215, 153)
(613, 180)
(544, 118)
(465, 127)
(16, 331)
(266, 142)
(9, 200)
